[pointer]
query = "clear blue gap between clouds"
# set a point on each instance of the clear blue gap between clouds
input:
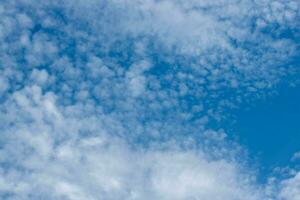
(270, 129)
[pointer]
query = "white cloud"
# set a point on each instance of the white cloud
(296, 156)
(290, 188)
(101, 167)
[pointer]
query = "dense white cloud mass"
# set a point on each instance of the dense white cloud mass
(112, 99)
(290, 188)
(50, 153)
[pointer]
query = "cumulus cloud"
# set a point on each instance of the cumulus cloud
(113, 99)
(51, 154)
(290, 188)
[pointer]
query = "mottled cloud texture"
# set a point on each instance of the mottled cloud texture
(111, 100)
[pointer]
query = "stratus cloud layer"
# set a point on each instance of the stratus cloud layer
(112, 99)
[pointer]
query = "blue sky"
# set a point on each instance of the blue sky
(270, 129)
(154, 99)
(275, 117)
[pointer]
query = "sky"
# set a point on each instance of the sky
(150, 99)
(275, 117)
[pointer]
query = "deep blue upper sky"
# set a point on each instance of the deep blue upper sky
(271, 128)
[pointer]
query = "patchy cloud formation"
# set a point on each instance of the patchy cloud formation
(114, 99)
(290, 188)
